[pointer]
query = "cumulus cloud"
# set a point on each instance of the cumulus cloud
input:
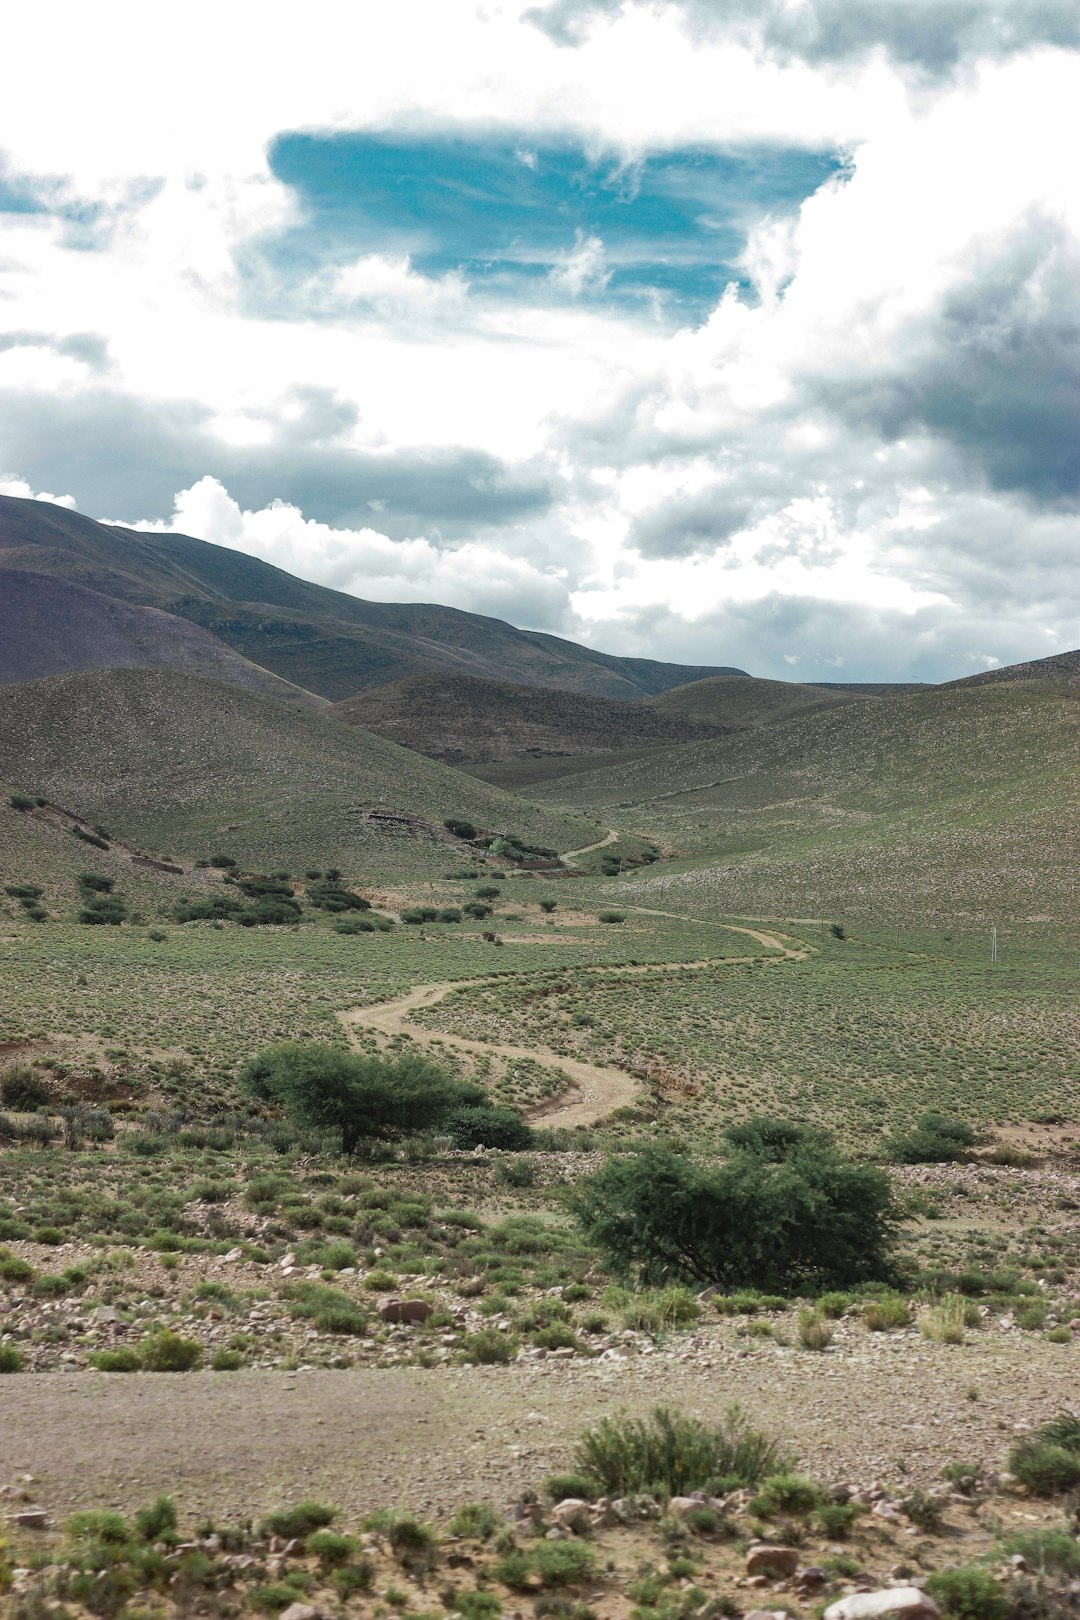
(370, 564)
(863, 459)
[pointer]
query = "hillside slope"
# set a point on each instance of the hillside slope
(1059, 667)
(323, 640)
(183, 766)
(735, 701)
(50, 626)
(460, 718)
(959, 801)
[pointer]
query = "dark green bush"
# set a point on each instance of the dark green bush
(23, 891)
(107, 909)
(355, 925)
(166, 1351)
(331, 897)
(366, 1097)
(459, 828)
(11, 1359)
(301, 1520)
(95, 881)
(22, 1088)
(807, 1221)
(968, 1593)
(935, 1140)
(488, 1126)
(611, 916)
(19, 801)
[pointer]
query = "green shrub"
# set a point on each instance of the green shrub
(298, 1521)
(366, 1097)
(476, 909)
(13, 1269)
(331, 1549)
(488, 1126)
(968, 1593)
(884, 1314)
(490, 1347)
(563, 1563)
(835, 1519)
(96, 882)
(226, 1360)
(476, 1521)
(477, 1605)
(166, 1351)
(460, 828)
(1047, 1551)
(679, 1454)
(809, 1220)
(610, 916)
(815, 1333)
(121, 1360)
(517, 1172)
(11, 1359)
(926, 1512)
(355, 925)
(487, 891)
(935, 1140)
(1045, 1469)
(19, 801)
(572, 1487)
(790, 1493)
(21, 1088)
(23, 891)
(158, 1521)
(107, 909)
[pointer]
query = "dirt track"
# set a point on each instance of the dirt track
(594, 1091)
(237, 1444)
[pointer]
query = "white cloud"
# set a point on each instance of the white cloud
(11, 485)
(368, 563)
(581, 268)
(876, 441)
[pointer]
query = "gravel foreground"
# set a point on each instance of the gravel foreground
(235, 1445)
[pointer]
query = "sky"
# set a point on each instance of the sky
(735, 332)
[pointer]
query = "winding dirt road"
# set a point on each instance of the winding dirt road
(592, 1091)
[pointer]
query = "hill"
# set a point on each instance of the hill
(950, 802)
(459, 718)
(187, 767)
(1059, 667)
(736, 701)
(50, 626)
(323, 640)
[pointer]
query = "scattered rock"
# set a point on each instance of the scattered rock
(32, 1518)
(762, 1558)
(905, 1601)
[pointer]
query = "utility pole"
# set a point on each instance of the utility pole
(993, 943)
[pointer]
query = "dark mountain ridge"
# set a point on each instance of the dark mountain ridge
(323, 640)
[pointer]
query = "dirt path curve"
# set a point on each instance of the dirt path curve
(569, 856)
(593, 1092)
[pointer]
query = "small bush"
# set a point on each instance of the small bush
(884, 1314)
(96, 882)
(563, 1563)
(1047, 1551)
(945, 1322)
(121, 1360)
(158, 1521)
(572, 1487)
(490, 1347)
(22, 1089)
(488, 1126)
(168, 1352)
(935, 1140)
(226, 1360)
(790, 1493)
(610, 917)
(14, 1269)
(926, 1512)
(11, 1359)
(298, 1521)
(548, 906)
(19, 801)
(516, 1172)
(1045, 1469)
(680, 1454)
(835, 1519)
(476, 1521)
(815, 1333)
(968, 1593)
(331, 1549)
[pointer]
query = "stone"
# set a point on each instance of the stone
(811, 1576)
(230, 1259)
(301, 1611)
(763, 1558)
(906, 1602)
(32, 1518)
(406, 1310)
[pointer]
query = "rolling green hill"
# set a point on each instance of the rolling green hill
(187, 767)
(461, 719)
(323, 640)
(954, 801)
(735, 701)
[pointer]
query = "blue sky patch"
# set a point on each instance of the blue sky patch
(504, 211)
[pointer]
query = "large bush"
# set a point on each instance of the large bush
(777, 1217)
(936, 1139)
(366, 1097)
(676, 1453)
(488, 1126)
